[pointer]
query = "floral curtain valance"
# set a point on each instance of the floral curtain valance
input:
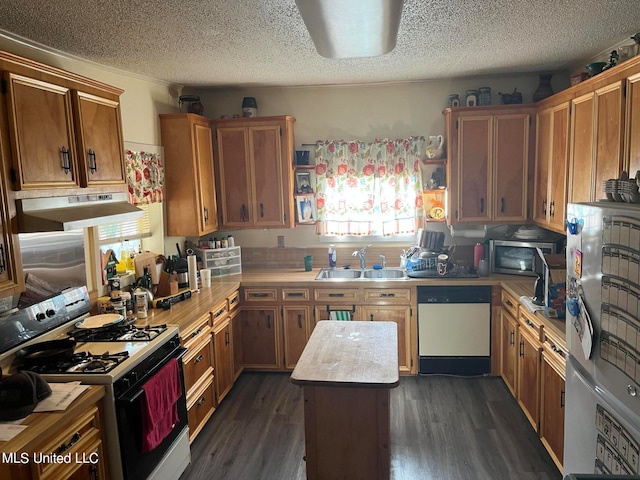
(369, 188)
(145, 177)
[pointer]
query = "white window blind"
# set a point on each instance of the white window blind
(126, 230)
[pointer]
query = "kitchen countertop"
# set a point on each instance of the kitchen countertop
(186, 312)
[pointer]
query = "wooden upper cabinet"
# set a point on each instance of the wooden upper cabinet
(254, 159)
(100, 150)
(582, 154)
(474, 152)
(552, 161)
(632, 139)
(489, 164)
(42, 133)
(609, 124)
(511, 165)
(61, 136)
(189, 172)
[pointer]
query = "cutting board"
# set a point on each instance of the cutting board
(147, 260)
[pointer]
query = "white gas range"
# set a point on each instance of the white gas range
(122, 359)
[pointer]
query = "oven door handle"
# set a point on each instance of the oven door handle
(177, 354)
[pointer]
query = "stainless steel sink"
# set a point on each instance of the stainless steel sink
(327, 273)
(357, 274)
(385, 273)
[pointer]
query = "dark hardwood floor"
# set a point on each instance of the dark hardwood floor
(442, 428)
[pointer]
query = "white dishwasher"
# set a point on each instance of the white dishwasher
(454, 329)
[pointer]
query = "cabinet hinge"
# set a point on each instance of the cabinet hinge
(3, 86)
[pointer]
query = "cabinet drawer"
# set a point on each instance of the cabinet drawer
(333, 295)
(219, 312)
(197, 363)
(295, 294)
(388, 295)
(556, 353)
(531, 324)
(200, 409)
(196, 332)
(233, 300)
(510, 303)
(75, 439)
(260, 294)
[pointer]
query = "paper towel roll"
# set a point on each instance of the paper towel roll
(192, 269)
(468, 231)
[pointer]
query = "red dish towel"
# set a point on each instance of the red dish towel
(158, 405)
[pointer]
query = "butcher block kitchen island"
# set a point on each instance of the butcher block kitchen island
(347, 370)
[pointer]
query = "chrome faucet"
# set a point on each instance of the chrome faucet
(362, 254)
(383, 259)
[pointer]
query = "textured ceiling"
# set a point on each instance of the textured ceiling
(264, 42)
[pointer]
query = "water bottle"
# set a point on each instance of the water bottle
(478, 253)
(332, 256)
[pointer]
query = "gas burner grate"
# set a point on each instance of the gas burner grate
(117, 333)
(83, 362)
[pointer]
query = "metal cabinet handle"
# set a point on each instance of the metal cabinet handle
(3, 262)
(529, 323)
(338, 295)
(219, 312)
(552, 209)
(544, 207)
(521, 348)
(387, 295)
(261, 210)
(196, 333)
(199, 358)
(258, 295)
(226, 337)
(66, 160)
(91, 159)
(206, 214)
(508, 302)
(201, 402)
(244, 213)
(299, 320)
(371, 317)
(501, 204)
(482, 205)
(268, 321)
(561, 398)
(72, 441)
(512, 337)
(295, 294)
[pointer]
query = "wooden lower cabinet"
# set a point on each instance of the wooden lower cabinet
(552, 389)
(223, 354)
(200, 407)
(261, 338)
(401, 316)
(297, 326)
(528, 377)
(236, 334)
(508, 350)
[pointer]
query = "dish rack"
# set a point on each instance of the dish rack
(221, 261)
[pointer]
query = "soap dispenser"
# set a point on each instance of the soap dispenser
(332, 256)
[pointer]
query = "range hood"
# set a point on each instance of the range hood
(70, 213)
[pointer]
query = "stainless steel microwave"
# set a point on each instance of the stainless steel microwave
(518, 257)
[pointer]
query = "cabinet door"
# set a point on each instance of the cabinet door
(552, 415)
(268, 209)
(223, 354)
(236, 334)
(474, 152)
(100, 147)
(632, 139)
(510, 167)
(581, 163)
(609, 111)
(260, 338)
(208, 217)
(401, 315)
(543, 155)
(528, 377)
(90, 464)
(235, 177)
(558, 167)
(42, 133)
(297, 329)
(508, 350)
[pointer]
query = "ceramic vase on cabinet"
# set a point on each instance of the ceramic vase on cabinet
(435, 147)
(544, 90)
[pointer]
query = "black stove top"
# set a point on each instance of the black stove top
(83, 362)
(124, 332)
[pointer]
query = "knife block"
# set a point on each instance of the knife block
(167, 285)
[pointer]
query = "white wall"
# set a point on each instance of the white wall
(362, 112)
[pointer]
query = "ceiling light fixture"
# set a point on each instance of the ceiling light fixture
(352, 28)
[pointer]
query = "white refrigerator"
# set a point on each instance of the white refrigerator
(602, 397)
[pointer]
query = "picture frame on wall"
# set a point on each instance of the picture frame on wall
(303, 182)
(306, 208)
